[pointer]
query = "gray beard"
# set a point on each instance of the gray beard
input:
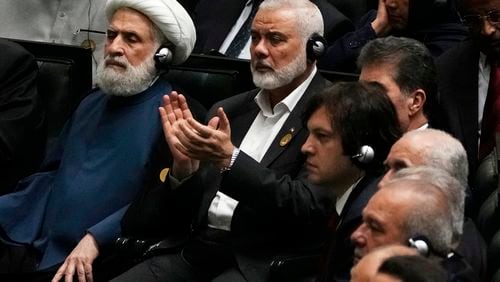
(280, 77)
(133, 80)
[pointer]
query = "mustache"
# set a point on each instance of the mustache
(116, 60)
(260, 64)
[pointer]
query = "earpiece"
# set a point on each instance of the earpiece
(420, 243)
(315, 47)
(365, 155)
(163, 57)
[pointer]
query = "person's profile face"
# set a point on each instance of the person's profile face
(383, 222)
(326, 162)
(384, 73)
(402, 155)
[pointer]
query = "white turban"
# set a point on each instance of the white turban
(169, 16)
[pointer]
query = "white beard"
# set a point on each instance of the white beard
(280, 77)
(131, 81)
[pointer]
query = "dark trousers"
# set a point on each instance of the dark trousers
(207, 257)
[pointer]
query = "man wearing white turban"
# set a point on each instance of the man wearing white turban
(69, 213)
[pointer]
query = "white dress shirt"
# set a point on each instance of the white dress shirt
(482, 88)
(245, 52)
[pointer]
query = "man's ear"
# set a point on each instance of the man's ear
(417, 101)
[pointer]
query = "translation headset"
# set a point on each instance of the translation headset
(420, 243)
(365, 154)
(315, 47)
(163, 57)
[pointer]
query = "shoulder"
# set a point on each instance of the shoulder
(14, 55)
(465, 50)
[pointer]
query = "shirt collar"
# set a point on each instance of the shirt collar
(342, 200)
(288, 103)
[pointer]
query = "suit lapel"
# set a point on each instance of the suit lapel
(468, 102)
(243, 121)
(293, 125)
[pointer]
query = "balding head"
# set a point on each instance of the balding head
(403, 209)
(428, 147)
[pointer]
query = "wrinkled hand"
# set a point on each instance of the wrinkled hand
(79, 261)
(381, 24)
(211, 142)
(174, 110)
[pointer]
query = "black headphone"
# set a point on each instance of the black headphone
(163, 57)
(421, 244)
(315, 47)
(365, 154)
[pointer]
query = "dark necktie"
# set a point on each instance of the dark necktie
(241, 38)
(491, 114)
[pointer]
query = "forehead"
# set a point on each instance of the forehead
(320, 119)
(380, 72)
(131, 20)
(481, 5)
(388, 205)
(276, 20)
(405, 149)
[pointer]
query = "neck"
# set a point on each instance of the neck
(417, 122)
(346, 182)
(278, 94)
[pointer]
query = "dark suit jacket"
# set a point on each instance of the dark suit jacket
(340, 253)
(212, 28)
(457, 111)
(278, 211)
(22, 116)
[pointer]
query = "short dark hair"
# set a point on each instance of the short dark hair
(413, 64)
(362, 113)
(413, 269)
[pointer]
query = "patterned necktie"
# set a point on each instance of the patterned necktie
(241, 38)
(491, 114)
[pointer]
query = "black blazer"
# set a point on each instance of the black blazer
(340, 249)
(22, 116)
(457, 102)
(279, 212)
(212, 28)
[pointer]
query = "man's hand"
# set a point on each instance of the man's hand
(381, 24)
(211, 142)
(175, 110)
(79, 261)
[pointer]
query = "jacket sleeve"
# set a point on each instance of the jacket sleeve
(343, 53)
(286, 199)
(22, 118)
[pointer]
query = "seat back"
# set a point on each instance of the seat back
(65, 77)
(209, 79)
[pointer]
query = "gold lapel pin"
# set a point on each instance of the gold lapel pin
(287, 137)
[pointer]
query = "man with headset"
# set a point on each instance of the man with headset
(69, 213)
(238, 194)
(419, 206)
(346, 157)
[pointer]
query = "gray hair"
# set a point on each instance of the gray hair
(307, 15)
(412, 61)
(441, 150)
(442, 228)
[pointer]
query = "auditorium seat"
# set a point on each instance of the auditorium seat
(65, 77)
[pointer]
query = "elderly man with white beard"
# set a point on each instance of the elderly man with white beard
(238, 186)
(68, 214)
